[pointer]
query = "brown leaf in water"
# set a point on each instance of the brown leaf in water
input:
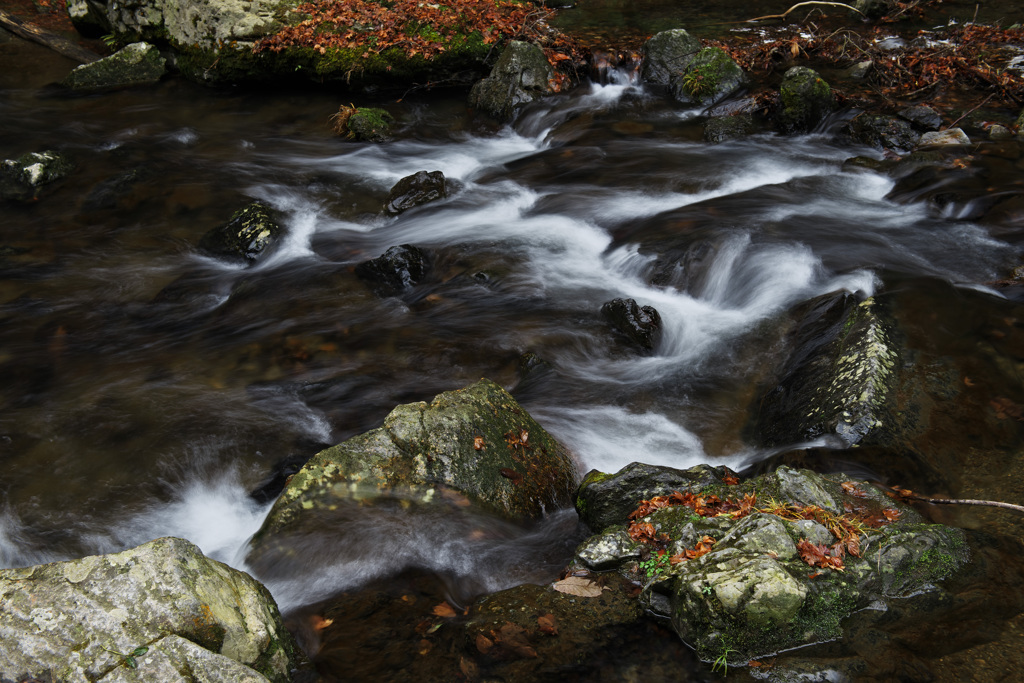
(444, 610)
(468, 668)
(319, 623)
(547, 624)
(513, 640)
(425, 647)
(483, 643)
(578, 586)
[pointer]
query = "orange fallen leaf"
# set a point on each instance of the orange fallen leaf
(444, 610)
(547, 624)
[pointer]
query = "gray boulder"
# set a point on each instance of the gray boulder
(710, 76)
(941, 138)
(135, 64)
(247, 236)
(477, 441)
(207, 24)
(158, 612)
(419, 188)
(922, 116)
(883, 132)
(753, 590)
(521, 75)
(23, 179)
(668, 53)
(806, 100)
(841, 376)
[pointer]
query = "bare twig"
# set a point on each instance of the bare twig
(903, 493)
(969, 112)
(803, 4)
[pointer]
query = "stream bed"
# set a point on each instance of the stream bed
(149, 390)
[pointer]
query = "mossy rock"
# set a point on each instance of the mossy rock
(370, 125)
(135, 64)
(710, 76)
(806, 100)
(668, 53)
(521, 75)
(247, 236)
(752, 595)
(24, 179)
(478, 441)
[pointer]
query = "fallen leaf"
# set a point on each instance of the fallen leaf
(852, 489)
(511, 474)
(730, 480)
(483, 643)
(478, 443)
(547, 624)
(578, 586)
(444, 610)
(425, 646)
(513, 641)
(468, 668)
(892, 514)
(820, 555)
(319, 623)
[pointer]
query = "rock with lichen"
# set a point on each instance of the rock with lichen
(135, 64)
(246, 237)
(25, 178)
(748, 569)
(806, 99)
(521, 75)
(668, 53)
(159, 612)
(712, 75)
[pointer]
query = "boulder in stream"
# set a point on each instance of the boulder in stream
(667, 54)
(521, 75)
(710, 76)
(840, 378)
(806, 100)
(135, 64)
(640, 324)
(941, 138)
(883, 131)
(158, 612)
(246, 237)
(793, 554)
(23, 179)
(419, 188)
(396, 270)
(477, 441)
(922, 116)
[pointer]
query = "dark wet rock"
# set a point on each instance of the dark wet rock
(413, 190)
(24, 179)
(370, 125)
(641, 324)
(108, 193)
(476, 441)
(246, 237)
(668, 53)
(135, 64)
(194, 618)
(999, 132)
(883, 132)
(521, 75)
(940, 138)
(752, 595)
(841, 375)
(606, 499)
(806, 100)
(89, 17)
(396, 270)
(874, 9)
(922, 116)
(711, 75)
(722, 128)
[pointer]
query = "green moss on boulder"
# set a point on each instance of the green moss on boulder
(135, 64)
(806, 100)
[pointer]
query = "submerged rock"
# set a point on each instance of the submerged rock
(710, 76)
(24, 178)
(840, 378)
(922, 116)
(247, 236)
(750, 593)
(641, 324)
(413, 190)
(477, 441)
(722, 128)
(179, 615)
(521, 75)
(135, 64)
(668, 53)
(806, 100)
(883, 132)
(396, 270)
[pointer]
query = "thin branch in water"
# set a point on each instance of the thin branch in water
(970, 111)
(803, 4)
(903, 493)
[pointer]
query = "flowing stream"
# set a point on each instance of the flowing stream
(148, 390)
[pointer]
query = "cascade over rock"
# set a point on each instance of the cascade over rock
(521, 76)
(187, 617)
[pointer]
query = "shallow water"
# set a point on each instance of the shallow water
(148, 389)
